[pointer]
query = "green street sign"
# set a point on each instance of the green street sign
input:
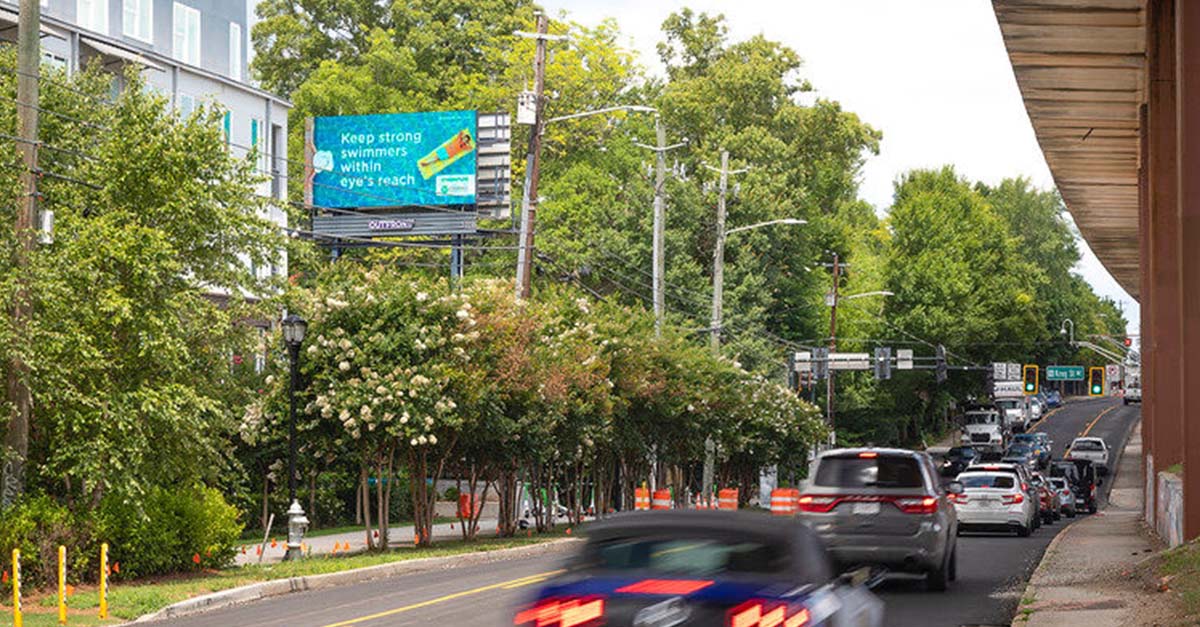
(1064, 373)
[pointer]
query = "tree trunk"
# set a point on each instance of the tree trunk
(266, 494)
(312, 496)
(367, 505)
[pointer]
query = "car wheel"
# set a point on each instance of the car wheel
(1071, 513)
(1036, 523)
(1023, 531)
(938, 579)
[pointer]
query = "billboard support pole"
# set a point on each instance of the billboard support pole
(529, 200)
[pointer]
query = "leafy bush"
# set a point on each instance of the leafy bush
(451, 494)
(38, 526)
(170, 529)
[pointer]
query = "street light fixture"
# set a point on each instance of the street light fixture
(1063, 329)
(294, 328)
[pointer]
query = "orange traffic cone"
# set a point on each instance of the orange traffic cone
(274, 543)
(4, 577)
(116, 567)
(196, 557)
(258, 550)
(568, 531)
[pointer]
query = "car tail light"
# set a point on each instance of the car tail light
(1014, 499)
(576, 612)
(868, 455)
(665, 586)
(917, 505)
(762, 614)
(1024, 487)
(817, 504)
(960, 499)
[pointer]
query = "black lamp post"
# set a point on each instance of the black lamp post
(294, 328)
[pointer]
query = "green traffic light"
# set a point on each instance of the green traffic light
(1095, 389)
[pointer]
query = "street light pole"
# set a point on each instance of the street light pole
(829, 387)
(533, 163)
(660, 177)
(294, 328)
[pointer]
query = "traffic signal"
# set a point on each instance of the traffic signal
(1030, 377)
(883, 362)
(1128, 341)
(940, 356)
(1096, 381)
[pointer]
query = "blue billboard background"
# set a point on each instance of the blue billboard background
(395, 159)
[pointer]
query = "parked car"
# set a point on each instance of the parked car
(1066, 496)
(700, 568)
(993, 500)
(957, 459)
(1133, 393)
(1094, 450)
(1048, 499)
(1021, 453)
(884, 507)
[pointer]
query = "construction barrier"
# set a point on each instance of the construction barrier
(701, 502)
(784, 501)
(16, 588)
(62, 585)
(641, 498)
(104, 580)
(727, 499)
(662, 500)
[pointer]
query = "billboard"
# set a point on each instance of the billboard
(395, 159)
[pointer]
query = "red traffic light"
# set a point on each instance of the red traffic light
(1128, 341)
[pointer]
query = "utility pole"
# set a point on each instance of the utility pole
(719, 258)
(28, 62)
(533, 163)
(660, 179)
(833, 303)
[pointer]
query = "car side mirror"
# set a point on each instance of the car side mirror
(954, 487)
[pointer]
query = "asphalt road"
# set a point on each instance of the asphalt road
(992, 571)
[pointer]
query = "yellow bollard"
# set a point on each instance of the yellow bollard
(17, 622)
(104, 580)
(62, 585)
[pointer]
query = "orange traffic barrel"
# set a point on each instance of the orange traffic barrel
(782, 502)
(727, 498)
(662, 500)
(641, 498)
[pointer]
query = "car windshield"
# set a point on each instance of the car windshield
(1059, 484)
(691, 557)
(987, 481)
(1017, 450)
(1008, 404)
(961, 453)
(882, 471)
(980, 419)
(1087, 445)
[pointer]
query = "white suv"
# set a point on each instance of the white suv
(994, 500)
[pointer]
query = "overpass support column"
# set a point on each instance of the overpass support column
(1162, 353)
(1187, 66)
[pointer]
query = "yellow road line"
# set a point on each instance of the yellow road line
(1035, 425)
(1097, 419)
(507, 585)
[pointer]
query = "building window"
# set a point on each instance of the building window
(228, 126)
(257, 131)
(138, 19)
(186, 106)
(186, 30)
(92, 15)
(235, 51)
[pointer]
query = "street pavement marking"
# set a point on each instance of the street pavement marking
(1035, 425)
(1083, 434)
(507, 585)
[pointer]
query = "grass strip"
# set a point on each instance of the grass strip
(129, 600)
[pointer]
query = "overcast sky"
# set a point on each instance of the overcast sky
(931, 74)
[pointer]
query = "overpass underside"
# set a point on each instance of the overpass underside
(1112, 88)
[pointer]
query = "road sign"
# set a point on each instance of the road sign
(1013, 373)
(1112, 372)
(904, 359)
(1064, 373)
(803, 361)
(999, 371)
(849, 361)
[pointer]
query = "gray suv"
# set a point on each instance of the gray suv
(884, 507)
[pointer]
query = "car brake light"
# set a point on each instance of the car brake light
(665, 586)
(578, 612)
(1014, 499)
(756, 613)
(868, 455)
(1024, 487)
(817, 504)
(960, 499)
(917, 505)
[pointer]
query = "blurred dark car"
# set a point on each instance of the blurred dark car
(957, 459)
(1053, 398)
(701, 568)
(1050, 505)
(1039, 442)
(1083, 480)
(1023, 454)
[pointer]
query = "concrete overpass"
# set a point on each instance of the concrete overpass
(1112, 88)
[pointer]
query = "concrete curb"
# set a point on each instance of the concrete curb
(277, 587)
(1030, 591)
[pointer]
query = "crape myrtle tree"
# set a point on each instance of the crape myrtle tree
(559, 399)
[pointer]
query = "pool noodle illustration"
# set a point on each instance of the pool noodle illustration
(450, 151)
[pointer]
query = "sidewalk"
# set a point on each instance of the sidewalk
(1085, 575)
(324, 545)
